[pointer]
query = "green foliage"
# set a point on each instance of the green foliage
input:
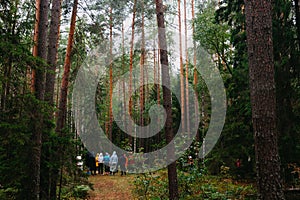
(213, 37)
(221, 33)
(76, 190)
(151, 186)
(81, 191)
(237, 136)
(8, 193)
(192, 185)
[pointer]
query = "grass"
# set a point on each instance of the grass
(111, 187)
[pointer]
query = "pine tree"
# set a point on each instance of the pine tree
(47, 184)
(130, 128)
(167, 100)
(187, 101)
(263, 97)
(182, 91)
(110, 114)
(39, 92)
(62, 106)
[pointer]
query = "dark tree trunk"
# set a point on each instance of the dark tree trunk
(263, 97)
(46, 183)
(167, 99)
(6, 85)
(158, 89)
(110, 136)
(297, 11)
(39, 91)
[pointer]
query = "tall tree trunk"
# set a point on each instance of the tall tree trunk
(123, 80)
(142, 75)
(53, 50)
(263, 97)
(157, 86)
(35, 40)
(39, 90)
(167, 96)
(62, 107)
(147, 120)
(50, 173)
(110, 114)
(182, 91)
(6, 84)
(195, 81)
(297, 13)
(187, 101)
(159, 138)
(158, 77)
(130, 128)
(8, 64)
(61, 114)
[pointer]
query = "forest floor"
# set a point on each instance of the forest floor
(111, 187)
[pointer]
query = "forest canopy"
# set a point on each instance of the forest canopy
(164, 80)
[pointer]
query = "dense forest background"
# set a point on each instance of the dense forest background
(43, 44)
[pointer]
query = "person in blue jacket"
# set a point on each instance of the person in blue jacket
(106, 160)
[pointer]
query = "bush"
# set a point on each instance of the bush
(8, 193)
(193, 185)
(152, 186)
(81, 191)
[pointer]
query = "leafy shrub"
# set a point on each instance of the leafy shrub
(193, 185)
(152, 186)
(81, 191)
(8, 193)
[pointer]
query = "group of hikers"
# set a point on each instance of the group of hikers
(106, 164)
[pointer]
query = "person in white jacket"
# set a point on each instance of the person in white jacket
(100, 164)
(113, 163)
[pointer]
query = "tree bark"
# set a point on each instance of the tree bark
(62, 107)
(167, 97)
(110, 114)
(263, 97)
(123, 81)
(35, 41)
(142, 81)
(297, 13)
(182, 91)
(187, 119)
(195, 80)
(6, 84)
(61, 114)
(46, 184)
(158, 78)
(53, 50)
(130, 128)
(39, 91)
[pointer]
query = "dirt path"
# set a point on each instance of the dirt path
(111, 187)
